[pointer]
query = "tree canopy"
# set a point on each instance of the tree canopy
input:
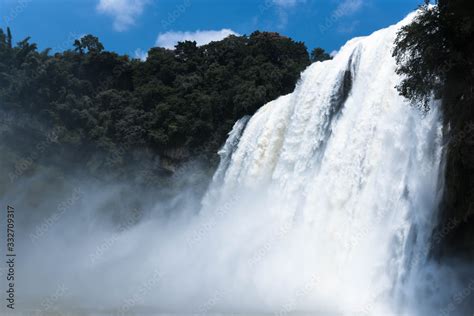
(437, 44)
(319, 54)
(177, 104)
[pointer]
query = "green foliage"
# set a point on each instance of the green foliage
(421, 51)
(319, 54)
(188, 97)
(88, 44)
(432, 47)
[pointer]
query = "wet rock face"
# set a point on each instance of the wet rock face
(458, 200)
(457, 204)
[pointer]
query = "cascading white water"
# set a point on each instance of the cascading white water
(324, 202)
(335, 184)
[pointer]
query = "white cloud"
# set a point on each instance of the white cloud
(170, 39)
(124, 12)
(333, 53)
(348, 7)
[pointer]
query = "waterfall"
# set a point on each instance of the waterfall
(324, 203)
(332, 188)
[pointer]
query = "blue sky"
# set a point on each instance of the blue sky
(134, 26)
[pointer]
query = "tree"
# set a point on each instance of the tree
(421, 52)
(88, 44)
(319, 54)
(435, 46)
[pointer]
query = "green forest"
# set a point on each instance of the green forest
(178, 104)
